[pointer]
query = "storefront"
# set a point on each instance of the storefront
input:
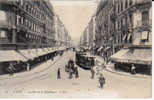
(8, 57)
(140, 57)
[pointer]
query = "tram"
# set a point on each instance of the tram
(84, 61)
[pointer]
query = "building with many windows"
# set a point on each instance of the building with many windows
(105, 28)
(62, 36)
(124, 32)
(27, 32)
(88, 37)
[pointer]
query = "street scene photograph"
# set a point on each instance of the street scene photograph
(76, 49)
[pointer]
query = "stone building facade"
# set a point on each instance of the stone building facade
(105, 25)
(88, 37)
(125, 24)
(28, 34)
(62, 36)
(27, 24)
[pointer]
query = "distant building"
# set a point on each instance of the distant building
(62, 35)
(88, 37)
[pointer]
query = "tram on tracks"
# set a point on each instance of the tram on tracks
(84, 60)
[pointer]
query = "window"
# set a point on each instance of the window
(3, 15)
(18, 19)
(3, 34)
(126, 4)
(121, 23)
(26, 35)
(33, 26)
(130, 2)
(21, 20)
(145, 35)
(121, 5)
(30, 24)
(126, 20)
(131, 19)
(21, 2)
(145, 17)
(26, 22)
(118, 8)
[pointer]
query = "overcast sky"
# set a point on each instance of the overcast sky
(75, 15)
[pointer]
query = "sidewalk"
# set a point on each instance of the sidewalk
(110, 68)
(40, 68)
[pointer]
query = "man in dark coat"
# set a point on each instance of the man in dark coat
(76, 73)
(92, 73)
(58, 74)
(101, 80)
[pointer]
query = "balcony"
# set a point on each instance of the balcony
(143, 1)
(146, 24)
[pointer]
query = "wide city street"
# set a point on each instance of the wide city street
(43, 83)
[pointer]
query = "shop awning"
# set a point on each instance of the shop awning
(136, 56)
(42, 52)
(10, 55)
(100, 49)
(29, 54)
(124, 38)
(128, 37)
(107, 48)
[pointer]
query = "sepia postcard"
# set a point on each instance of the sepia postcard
(76, 49)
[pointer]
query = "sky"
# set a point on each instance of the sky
(75, 15)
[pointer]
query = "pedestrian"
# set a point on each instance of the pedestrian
(70, 74)
(92, 73)
(76, 73)
(101, 81)
(133, 69)
(10, 69)
(28, 67)
(58, 74)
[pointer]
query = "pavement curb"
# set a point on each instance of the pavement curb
(109, 69)
(126, 74)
